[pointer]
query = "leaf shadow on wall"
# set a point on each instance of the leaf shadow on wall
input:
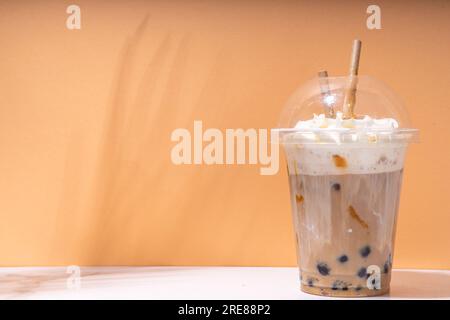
(133, 172)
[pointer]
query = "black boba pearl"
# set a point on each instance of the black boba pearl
(310, 282)
(365, 251)
(339, 285)
(362, 273)
(386, 268)
(336, 186)
(343, 258)
(358, 288)
(323, 269)
(335, 285)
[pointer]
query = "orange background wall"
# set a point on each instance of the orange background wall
(86, 117)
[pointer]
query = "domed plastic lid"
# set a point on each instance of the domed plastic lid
(318, 112)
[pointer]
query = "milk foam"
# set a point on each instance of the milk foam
(314, 160)
(316, 144)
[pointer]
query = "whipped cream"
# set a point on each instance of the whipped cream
(322, 122)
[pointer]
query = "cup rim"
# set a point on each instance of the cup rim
(346, 136)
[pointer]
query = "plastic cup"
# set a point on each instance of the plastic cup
(345, 184)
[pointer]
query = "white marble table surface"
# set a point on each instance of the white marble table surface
(192, 283)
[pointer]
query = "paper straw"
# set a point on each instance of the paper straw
(350, 94)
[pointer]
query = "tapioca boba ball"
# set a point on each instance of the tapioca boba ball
(362, 272)
(343, 258)
(340, 285)
(365, 251)
(336, 186)
(386, 267)
(323, 268)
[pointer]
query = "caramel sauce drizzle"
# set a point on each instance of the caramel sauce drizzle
(355, 216)
(339, 161)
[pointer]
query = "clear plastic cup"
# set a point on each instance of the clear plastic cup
(345, 185)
